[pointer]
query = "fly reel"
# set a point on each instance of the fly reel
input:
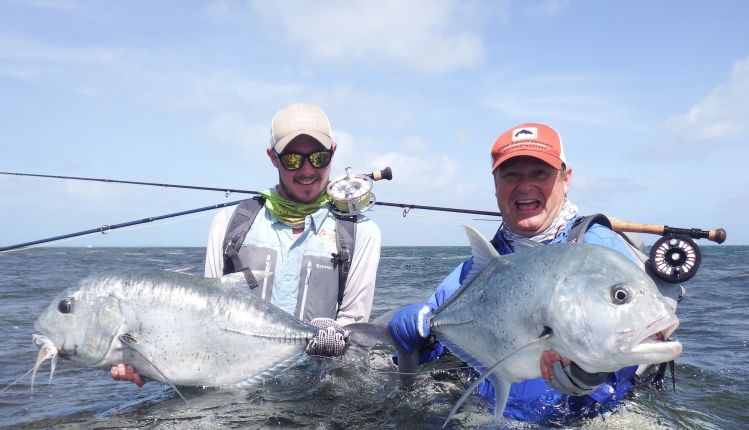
(675, 258)
(352, 194)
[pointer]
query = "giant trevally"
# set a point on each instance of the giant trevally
(590, 304)
(172, 327)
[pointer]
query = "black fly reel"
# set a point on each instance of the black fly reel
(675, 258)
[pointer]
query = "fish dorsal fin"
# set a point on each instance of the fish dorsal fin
(483, 253)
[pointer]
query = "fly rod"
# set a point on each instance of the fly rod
(715, 235)
(105, 228)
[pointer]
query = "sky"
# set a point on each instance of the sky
(651, 100)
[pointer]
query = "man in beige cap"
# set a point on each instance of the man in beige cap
(281, 242)
(531, 180)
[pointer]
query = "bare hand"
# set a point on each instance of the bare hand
(565, 376)
(548, 358)
(126, 372)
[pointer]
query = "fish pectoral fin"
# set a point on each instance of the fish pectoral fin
(132, 343)
(501, 393)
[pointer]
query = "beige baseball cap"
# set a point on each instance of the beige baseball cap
(296, 119)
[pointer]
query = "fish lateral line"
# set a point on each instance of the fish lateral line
(289, 339)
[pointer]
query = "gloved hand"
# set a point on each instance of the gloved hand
(329, 341)
(410, 325)
(573, 380)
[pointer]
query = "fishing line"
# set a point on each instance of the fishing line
(424, 372)
(434, 217)
(16, 381)
(355, 192)
(377, 175)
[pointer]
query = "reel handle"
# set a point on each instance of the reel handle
(385, 173)
(716, 235)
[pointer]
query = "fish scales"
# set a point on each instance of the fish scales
(588, 303)
(183, 329)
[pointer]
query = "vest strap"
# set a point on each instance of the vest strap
(239, 226)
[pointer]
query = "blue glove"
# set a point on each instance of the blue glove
(410, 326)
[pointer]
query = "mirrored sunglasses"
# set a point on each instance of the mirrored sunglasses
(295, 160)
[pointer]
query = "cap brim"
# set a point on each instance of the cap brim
(549, 159)
(323, 138)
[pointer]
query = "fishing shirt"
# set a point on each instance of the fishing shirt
(316, 240)
(534, 400)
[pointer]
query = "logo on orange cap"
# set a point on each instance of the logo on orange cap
(532, 140)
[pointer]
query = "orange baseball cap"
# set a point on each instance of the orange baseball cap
(529, 139)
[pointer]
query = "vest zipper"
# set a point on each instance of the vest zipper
(304, 293)
(267, 274)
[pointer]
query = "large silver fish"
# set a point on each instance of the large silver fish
(588, 303)
(172, 327)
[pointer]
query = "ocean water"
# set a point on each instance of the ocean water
(712, 391)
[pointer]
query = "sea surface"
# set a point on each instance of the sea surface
(712, 387)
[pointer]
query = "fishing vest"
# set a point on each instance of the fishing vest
(328, 285)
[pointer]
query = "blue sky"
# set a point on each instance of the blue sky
(651, 100)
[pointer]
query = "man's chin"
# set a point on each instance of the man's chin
(528, 227)
(306, 196)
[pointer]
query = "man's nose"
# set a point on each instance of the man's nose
(307, 167)
(524, 181)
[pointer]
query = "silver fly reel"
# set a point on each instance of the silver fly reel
(351, 194)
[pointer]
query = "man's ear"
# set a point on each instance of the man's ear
(567, 180)
(272, 156)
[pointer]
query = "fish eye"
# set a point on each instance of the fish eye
(65, 306)
(620, 295)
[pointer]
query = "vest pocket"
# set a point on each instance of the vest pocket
(261, 261)
(318, 289)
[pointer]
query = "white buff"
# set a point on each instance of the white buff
(519, 243)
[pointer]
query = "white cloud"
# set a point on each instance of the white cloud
(28, 50)
(721, 117)
(547, 8)
(414, 165)
(238, 132)
(573, 99)
(421, 34)
(54, 5)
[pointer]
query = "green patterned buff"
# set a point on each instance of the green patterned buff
(290, 212)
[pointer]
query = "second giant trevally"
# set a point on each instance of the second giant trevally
(587, 302)
(172, 327)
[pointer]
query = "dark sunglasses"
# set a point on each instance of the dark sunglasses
(295, 160)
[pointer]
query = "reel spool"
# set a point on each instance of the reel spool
(675, 258)
(351, 194)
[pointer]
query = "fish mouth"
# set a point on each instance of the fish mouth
(656, 345)
(42, 341)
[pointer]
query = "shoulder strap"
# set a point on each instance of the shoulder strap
(239, 226)
(581, 225)
(345, 228)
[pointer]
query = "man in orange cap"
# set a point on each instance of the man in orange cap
(531, 180)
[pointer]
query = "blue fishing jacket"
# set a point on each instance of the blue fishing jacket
(533, 400)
